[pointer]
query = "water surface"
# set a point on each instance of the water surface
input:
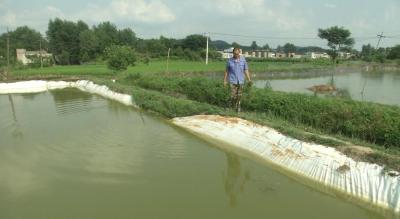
(378, 87)
(67, 154)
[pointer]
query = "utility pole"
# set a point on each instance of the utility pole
(380, 36)
(41, 58)
(169, 50)
(207, 36)
(8, 48)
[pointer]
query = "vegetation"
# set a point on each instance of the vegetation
(394, 53)
(176, 67)
(289, 48)
(23, 37)
(119, 57)
(338, 40)
(75, 43)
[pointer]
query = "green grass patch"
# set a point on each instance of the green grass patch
(160, 66)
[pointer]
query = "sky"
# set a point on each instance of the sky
(275, 22)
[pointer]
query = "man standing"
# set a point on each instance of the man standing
(236, 70)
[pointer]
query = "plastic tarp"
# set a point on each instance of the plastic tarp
(322, 164)
(87, 86)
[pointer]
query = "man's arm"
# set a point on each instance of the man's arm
(226, 73)
(226, 77)
(246, 71)
(248, 75)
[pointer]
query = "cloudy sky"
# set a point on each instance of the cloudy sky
(266, 21)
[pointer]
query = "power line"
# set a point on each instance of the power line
(358, 38)
(263, 37)
(380, 36)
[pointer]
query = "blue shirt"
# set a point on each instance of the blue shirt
(236, 69)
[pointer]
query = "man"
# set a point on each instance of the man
(236, 70)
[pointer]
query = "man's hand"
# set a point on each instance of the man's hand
(250, 83)
(225, 83)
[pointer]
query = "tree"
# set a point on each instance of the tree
(21, 38)
(266, 46)
(367, 52)
(338, 40)
(88, 43)
(178, 52)
(154, 47)
(236, 45)
(254, 46)
(107, 34)
(127, 37)
(170, 42)
(64, 39)
(380, 55)
(194, 42)
(191, 55)
(289, 48)
(119, 57)
(394, 53)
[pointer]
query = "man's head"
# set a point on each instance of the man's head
(236, 52)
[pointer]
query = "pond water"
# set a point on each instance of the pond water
(376, 87)
(67, 154)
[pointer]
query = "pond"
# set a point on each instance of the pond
(68, 154)
(378, 87)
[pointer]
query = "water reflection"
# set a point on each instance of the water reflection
(17, 131)
(30, 96)
(71, 102)
(235, 178)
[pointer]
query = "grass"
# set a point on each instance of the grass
(160, 66)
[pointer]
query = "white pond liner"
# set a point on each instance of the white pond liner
(319, 163)
(87, 86)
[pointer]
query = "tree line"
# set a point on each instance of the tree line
(74, 43)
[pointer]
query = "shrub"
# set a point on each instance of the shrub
(170, 106)
(119, 57)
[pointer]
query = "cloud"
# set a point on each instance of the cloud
(360, 25)
(152, 12)
(9, 19)
(330, 5)
(142, 11)
(37, 19)
(259, 13)
(53, 12)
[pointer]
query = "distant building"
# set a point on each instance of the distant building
(228, 53)
(297, 56)
(345, 55)
(260, 54)
(280, 55)
(23, 55)
(315, 55)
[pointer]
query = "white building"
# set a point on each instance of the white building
(228, 53)
(22, 55)
(315, 55)
(345, 55)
